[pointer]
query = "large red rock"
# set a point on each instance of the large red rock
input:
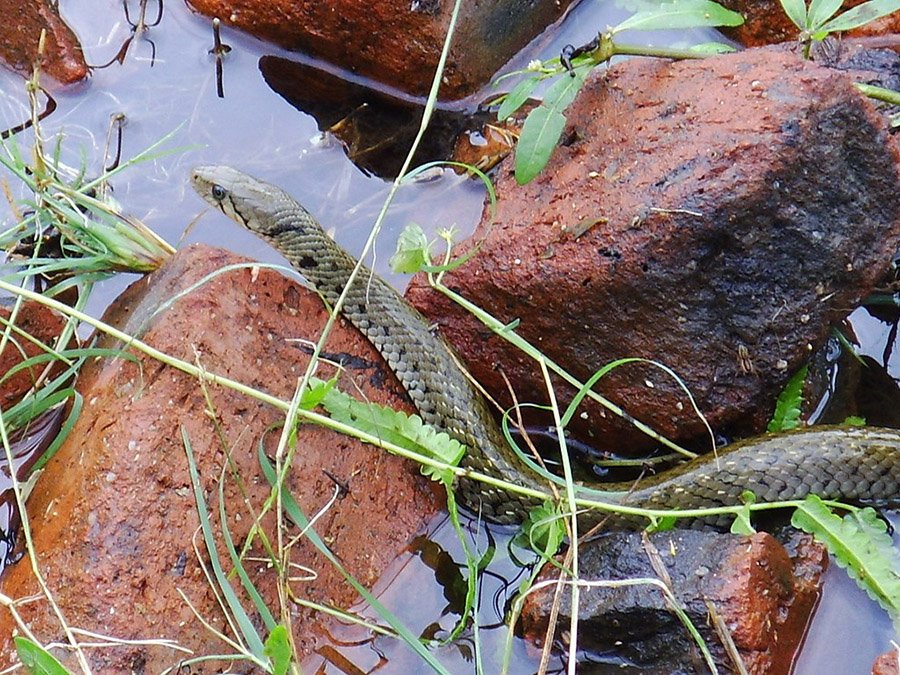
(762, 595)
(396, 42)
(113, 517)
(717, 216)
(20, 32)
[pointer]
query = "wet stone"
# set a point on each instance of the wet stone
(113, 516)
(20, 31)
(740, 206)
(395, 42)
(761, 594)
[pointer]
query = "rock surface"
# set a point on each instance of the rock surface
(114, 517)
(766, 23)
(20, 32)
(715, 216)
(41, 324)
(763, 596)
(887, 664)
(396, 42)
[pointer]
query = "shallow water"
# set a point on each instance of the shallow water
(174, 92)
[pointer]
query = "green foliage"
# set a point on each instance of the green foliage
(278, 649)
(741, 523)
(859, 542)
(787, 409)
(817, 20)
(545, 123)
(543, 531)
(36, 660)
(412, 251)
(393, 426)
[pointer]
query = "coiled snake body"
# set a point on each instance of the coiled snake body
(856, 464)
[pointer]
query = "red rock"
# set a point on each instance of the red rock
(716, 216)
(395, 42)
(762, 595)
(887, 664)
(43, 325)
(114, 517)
(20, 32)
(765, 23)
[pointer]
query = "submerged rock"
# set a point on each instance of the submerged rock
(396, 42)
(113, 517)
(762, 595)
(717, 216)
(20, 32)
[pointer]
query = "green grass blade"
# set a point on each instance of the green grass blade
(861, 15)
(296, 514)
(64, 431)
(248, 632)
(249, 587)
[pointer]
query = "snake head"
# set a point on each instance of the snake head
(257, 205)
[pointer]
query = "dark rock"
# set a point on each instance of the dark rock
(113, 516)
(375, 127)
(396, 42)
(20, 32)
(735, 208)
(763, 596)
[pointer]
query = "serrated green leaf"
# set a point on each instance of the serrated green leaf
(278, 649)
(820, 11)
(36, 660)
(860, 544)
(517, 97)
(681, 14)
(796, 12)
(393, 426)
(861, 15)
(787, 409)
(411, 254)
(316, 392)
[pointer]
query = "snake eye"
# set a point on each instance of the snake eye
(218, 192)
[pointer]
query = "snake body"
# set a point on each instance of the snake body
(861, 463)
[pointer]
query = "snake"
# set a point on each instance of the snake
(855, 464)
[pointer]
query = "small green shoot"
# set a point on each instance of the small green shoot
(742, 523)
(817, 20)
(278, 649)
(788, 407)
(859, 542)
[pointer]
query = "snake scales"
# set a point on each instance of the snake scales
(834, 463)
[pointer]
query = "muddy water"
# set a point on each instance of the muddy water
(167, 85)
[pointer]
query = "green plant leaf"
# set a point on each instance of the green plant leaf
(860, 544)
(407, 431)
(517, 97)
(542, 531)
(820, 11)
(411, 254)
(712, 48)
(36, 660)
(861, 14)
(796, 12)
(787, 409)
(681, 14)
(854, 421)
(742, 523)
(544, 125)
(278, 649)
